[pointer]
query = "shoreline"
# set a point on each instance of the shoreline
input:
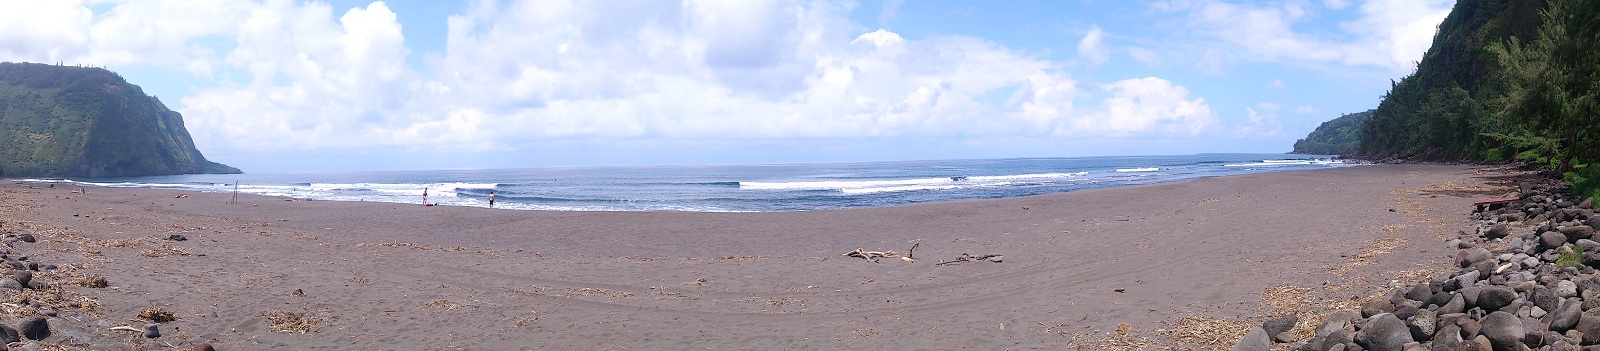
(1077, 266)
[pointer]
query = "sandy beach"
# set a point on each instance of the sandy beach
(1187, 265)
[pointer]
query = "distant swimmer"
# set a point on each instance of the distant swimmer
(491, 198)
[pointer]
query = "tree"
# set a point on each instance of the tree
(1554, 80)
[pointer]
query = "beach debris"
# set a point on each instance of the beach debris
(177, 237)
(996, 258)
(156, 314)
(697, 281)
(873, 256)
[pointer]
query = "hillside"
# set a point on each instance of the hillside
(1341, 136)
(1504, 80)
(62, 121)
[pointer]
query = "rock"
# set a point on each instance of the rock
(1335, 322)
(1465, 258)
(9, 334)
(1376, 307)
(1552, 240)
(1565, 288)
(1589, 325)
(1496, 231)
(1565, 316)
(1504, 330)
(1545, 298)
(1464, 280)
(177, 237)
(1419, 292)
(1457, 304)
(1470, 328)
(152, 330)
(1588, 245)
(1406, 312)
(1384, 332)
(26, 237)
(1439, 299)
(8, 284)
(1577, 232)
(1422, 325)
(1479, 343)
(23, 277)
(1285, 337)
(1587, 202)
(1255, 340)
(34, 328)
(1280, 324)
(1495, 297)
(203, 347)
(1448, 337)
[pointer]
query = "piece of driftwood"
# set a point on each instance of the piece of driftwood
(996, 258)
(873, 256)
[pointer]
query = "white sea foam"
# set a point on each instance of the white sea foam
(1277, 163)
(1134, 170)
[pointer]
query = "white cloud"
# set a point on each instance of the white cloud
(307, 76)
(1261, 122)
(1092, 50)
(1305, 109)
(1276, 84)
(1388, 33)
(43, 31)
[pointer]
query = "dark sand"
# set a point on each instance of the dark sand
(1187, 265)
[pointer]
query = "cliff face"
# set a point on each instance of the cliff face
(1341, 136)
(60, 121)
(1444, 110)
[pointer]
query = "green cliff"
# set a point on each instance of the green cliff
(1341, 136)
(1504, 80)
(63, 121)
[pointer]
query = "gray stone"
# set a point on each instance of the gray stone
(1566, 288)
(1504, 330)
(1457, 304)
(1496, 231)
(1495, 297)
(34, 328)
(1465, 258)
(1448, 337)
(1422, 325)
(1376, 307)
(8, 284)
(1419, 292)
(1255, 340)
(1470, 295)
(1285, 337)
(1589, 325)
(9, 335)
(26, 237)
(1577, 232)
(152, 330)
(1464, 280)
(23, 277)
(1280, 324)
(1566, 315)
(1332, 323)
(1545, 298)
(1384, 332)
(1552, 240)
(203, 347)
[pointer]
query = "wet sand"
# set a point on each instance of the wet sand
(1185, 265)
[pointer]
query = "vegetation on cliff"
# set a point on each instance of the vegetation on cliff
(1504, 80)
(63, 121)
(1341, 136)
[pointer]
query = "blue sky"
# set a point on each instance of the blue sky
(307, 86)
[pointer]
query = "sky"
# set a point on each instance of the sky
(287, 86)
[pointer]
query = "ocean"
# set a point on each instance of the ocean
(733, 188)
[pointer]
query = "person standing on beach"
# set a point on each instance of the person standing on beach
(491, 198)
(424, 196)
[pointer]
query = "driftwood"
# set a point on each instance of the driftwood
(970, 258)
(873, 256)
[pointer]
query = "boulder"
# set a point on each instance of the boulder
(1447, 338)
(10, 285)
(152, 330)
(1280, 324)
(34, 328)
(1565, 289)
(1504, 330)
(1577, 232)
(1457, 304)
(1335, 322)
(1423, 325)
(1496, 231)
(1465, 258)
(1565, 316)
(1552, 240)
(1376, 307)
(9, 335)
(1384, 332)
(1255, 340)
(1545, 298)
(1495, 297)
(1419, 292)
(1589, 325)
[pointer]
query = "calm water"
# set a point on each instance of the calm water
(729, 188)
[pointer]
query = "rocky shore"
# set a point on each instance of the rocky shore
(1525, 280)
